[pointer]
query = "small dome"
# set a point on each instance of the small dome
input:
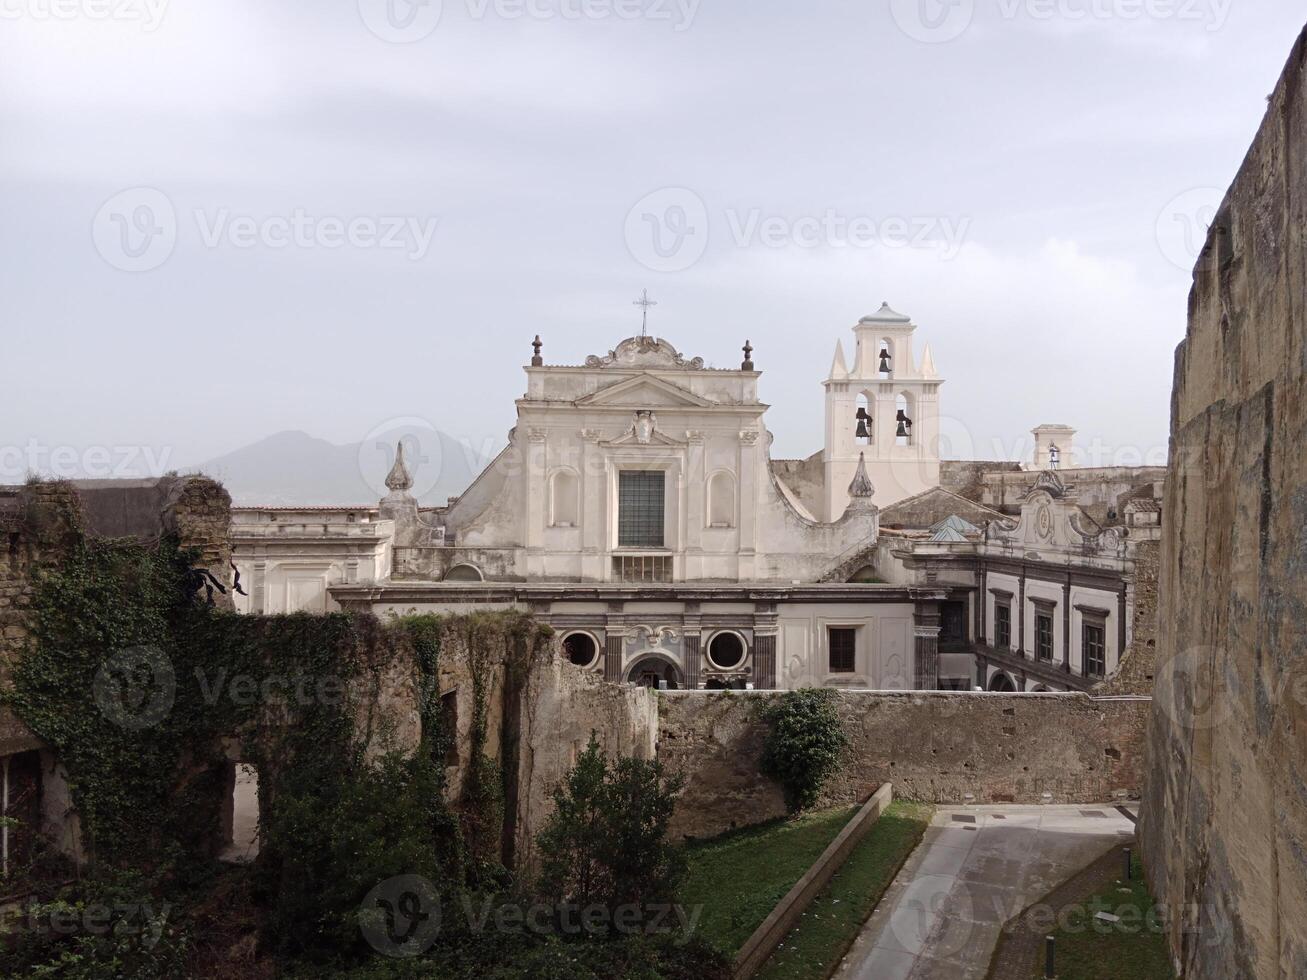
(886, 315)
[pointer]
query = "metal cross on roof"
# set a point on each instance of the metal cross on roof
(645, 302)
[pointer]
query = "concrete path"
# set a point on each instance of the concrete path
(976, 868)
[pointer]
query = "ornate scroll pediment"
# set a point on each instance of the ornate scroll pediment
(641, 352)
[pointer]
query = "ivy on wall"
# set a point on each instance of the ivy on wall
(146, 697)
(803, 745)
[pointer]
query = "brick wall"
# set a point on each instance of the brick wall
(933, 746)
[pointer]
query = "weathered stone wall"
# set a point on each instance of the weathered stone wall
(562, 707)
(1136, 670)
(934, 746)
(966, 477)
(805, 478)
(38, 524)
(1224, 822)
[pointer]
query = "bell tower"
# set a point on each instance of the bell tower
(883, 405)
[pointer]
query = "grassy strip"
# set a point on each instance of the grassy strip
(815, 946)
(738, 877)
(1132, 949)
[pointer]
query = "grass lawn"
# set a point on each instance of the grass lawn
(831, 923)
(1132, 949)
(739, 876)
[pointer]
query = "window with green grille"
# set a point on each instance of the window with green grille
(640, 499)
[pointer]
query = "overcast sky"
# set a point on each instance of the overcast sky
(227, 219)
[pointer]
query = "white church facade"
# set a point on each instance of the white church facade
(636, 509)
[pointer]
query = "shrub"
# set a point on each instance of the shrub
(606, 842)
(803, 744)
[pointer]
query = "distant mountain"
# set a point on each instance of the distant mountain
(292, 468)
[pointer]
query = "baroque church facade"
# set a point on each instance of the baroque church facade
(637, 510)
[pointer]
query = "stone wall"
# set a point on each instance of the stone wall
(1224, 823)
(942, 747)
(562, 708)
(1135, 672)
(805, 478)
(966, 477)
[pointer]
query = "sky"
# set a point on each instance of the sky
(228, 219)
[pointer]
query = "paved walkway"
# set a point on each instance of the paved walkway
(976, 868)
(1020, 953)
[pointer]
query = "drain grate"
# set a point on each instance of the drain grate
(1093, 813)
(963, 818)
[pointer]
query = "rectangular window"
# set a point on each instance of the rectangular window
(1003, 625)
(953, 624)
(640, 508)
(1044, 636)
(1094, 648)
(843, 642)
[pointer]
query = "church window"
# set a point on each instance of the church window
(1094, 647)
(564, 499)
(721, 500)
(953, 625)
(1043, 635)
(1003, 625)
(726, 650)
(581, 649)
(640, 502)
(843, 643)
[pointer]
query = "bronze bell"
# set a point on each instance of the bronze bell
(863, 418)
(905, 423)
(884, 360)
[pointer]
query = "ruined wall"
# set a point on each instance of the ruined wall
(805, 478)
(562, 707)
(38, 524)
(934, 746)
(1137, 667)
(966, 477)
(1224, 823)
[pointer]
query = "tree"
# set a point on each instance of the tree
(606, 841)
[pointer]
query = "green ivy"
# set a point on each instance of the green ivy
(804, 742)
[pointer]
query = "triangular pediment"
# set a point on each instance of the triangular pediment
(644, 391)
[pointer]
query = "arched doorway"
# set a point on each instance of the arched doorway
(1001, 682)
(652, 668)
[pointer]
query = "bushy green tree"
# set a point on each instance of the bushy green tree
(804, 743)
(606, 842)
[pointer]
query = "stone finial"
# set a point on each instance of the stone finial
(747, 364)
(861, 485)
(399, 480)
(536, 359)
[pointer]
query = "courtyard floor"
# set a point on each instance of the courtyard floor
(976, 868)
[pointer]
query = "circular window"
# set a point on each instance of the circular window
(726, 650)
(581, 649)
